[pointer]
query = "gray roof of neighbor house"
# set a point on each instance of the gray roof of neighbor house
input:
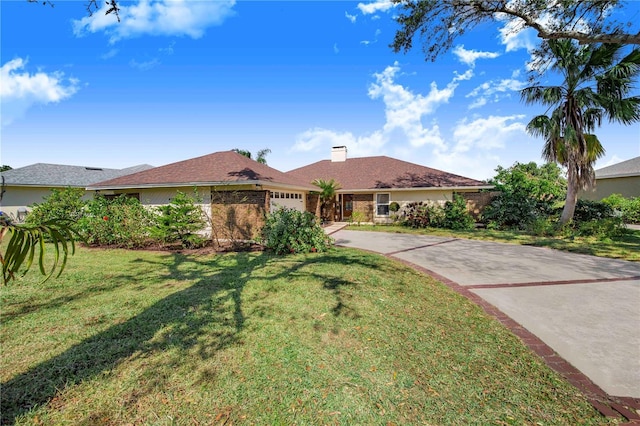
(375, 173)
(623, 169)
(219, 168)
(58, 175)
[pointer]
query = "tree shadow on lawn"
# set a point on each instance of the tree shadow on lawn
(178, 320)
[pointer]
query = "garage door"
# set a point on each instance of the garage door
(293, 200)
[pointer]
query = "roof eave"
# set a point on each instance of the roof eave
(430, 188)
(620, 175)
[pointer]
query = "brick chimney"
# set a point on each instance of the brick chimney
(338, 154)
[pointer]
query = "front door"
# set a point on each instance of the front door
(347, 206)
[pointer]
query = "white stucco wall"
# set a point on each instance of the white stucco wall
(16, 197)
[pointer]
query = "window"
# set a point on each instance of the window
(382, 204)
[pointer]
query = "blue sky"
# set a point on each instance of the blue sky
(180, 79)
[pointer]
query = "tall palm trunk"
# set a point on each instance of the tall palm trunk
(572, 194)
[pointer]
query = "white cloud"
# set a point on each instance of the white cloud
(404, 114)
(376, 6)
(514, 36)
(496, 89)
(20, 90)
(487, 133)
(469, 57)
(145, 65)
(110, 54)
(477, 145)
(335, 48)
(157, 17)
(351, 18)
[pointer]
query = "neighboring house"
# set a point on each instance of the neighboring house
(369, 184)
(27, 185)
(621, 178)
(234, 191)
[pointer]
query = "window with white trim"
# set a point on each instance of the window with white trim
(382, 204)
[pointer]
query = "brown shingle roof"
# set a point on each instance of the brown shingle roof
(381, 172)
(219, 167)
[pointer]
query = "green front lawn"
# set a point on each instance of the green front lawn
(626, 247)
(130, 337)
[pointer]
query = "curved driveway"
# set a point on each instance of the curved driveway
(585, 308)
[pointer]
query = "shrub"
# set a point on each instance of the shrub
(66, 204)
(122, 222)
(528, 192)
(610, 227)
(417, 214)
(456, 215)
(358, 217)
(180, 221)
(587, 211)
(627, 208)
(394, 206)
(291, 231)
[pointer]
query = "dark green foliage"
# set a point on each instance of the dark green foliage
(291, 231)
(394, 206)
(456, 214)
(627, 208)
(181, 221)
(587, 211)
(62, 204)
(421, 215)
(122, 222)
(4, 168)
(527, 192)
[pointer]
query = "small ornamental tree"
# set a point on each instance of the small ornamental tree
(292, 231)
(180, 221)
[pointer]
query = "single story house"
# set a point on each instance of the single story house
(370, 184)
(621, 178)
(234, 191)
(24, 186)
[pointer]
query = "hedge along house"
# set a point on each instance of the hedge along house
(234, 191)
(370, 184)
(24, 186)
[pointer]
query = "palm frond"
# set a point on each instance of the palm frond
(27, 239)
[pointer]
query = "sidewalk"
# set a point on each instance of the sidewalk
(583, 311)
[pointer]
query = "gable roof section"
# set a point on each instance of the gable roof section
(58, 175)
(219, 168)
(623, 169)
(375, 173)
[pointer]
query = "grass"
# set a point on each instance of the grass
(626, 247)
(133, 337)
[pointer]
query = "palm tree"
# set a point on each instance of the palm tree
(596, 85)
(327, 192)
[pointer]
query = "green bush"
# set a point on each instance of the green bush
(291, 231)
(394, 206)
(181, 221)
(456, 215)
(66, 204)
(627, 208)
(122, 222)
(610, 227)
(527, 193)
(587, 211)
(357, 217)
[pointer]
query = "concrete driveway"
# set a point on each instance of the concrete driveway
(585, 308)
